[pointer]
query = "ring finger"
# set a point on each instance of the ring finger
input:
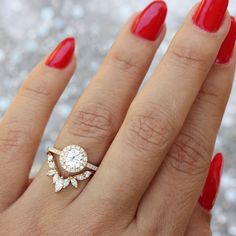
(99, 112)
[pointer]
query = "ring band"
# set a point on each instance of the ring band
(72, 159)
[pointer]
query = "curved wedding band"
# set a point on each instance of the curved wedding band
(72, 159)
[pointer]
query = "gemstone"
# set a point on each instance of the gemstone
(87, 174)
(74, 182)
(50, 158)
(51, 165)
(84, 175)
(59, 184)
(66, 183)
(55, 178)
(73, 159)
(51, 172)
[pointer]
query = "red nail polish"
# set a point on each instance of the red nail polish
(227, 47)
(150, 21)
(210, 190)
(62, 54)
(210, 14)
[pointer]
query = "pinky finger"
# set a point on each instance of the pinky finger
(200, 223)
(201, 218)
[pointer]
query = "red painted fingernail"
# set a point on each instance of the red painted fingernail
(210, 190)
(62, 54)
(150, 21)
(210, 14)
(227, 47)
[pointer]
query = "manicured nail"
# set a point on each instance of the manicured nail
(227, 47)
(210, 190)
(149, 23)
(62, 54)
(210, 14)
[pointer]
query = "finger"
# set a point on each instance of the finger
(200, 223)
(30, 181)
(185, 167)
(155, 118)
(201, 217)
(23, 124)
(97, 116)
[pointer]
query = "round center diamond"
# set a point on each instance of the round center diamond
(73, 158)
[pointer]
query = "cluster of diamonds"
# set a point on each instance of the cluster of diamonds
(73, 159)
(59, 181)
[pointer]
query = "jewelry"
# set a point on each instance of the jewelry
(72, 159)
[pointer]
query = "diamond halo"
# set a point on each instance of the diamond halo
(73, 158)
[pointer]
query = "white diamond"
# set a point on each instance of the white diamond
(51, 165)
(84, 176)
(66, 183)
(74, 182)
(73, 158)
(59, 184)
(50, 158)
(51, 172)
(79, 177)
(87, 173)
(55, 178)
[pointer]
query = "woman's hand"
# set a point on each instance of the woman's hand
(153, 149)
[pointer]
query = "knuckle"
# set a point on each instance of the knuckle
(149, 131)
(213, 101)
(13, 136)
(183, 56)
(36, 89)
(214, 94)
(126, 63)
(189, 154)
(92, 121)
(209, 96)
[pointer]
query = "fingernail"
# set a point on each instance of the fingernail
(210, 14)
(210, 190)
(227, 47)
(149, 23)
(62, 54)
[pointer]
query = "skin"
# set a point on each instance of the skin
(153, 148)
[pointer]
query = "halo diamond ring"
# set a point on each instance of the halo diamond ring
(73, 159)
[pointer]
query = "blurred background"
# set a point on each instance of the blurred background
(29, 29)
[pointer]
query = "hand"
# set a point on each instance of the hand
(153, 149)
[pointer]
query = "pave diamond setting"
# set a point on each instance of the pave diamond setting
(73, 159)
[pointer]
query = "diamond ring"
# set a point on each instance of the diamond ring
(73, 159)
